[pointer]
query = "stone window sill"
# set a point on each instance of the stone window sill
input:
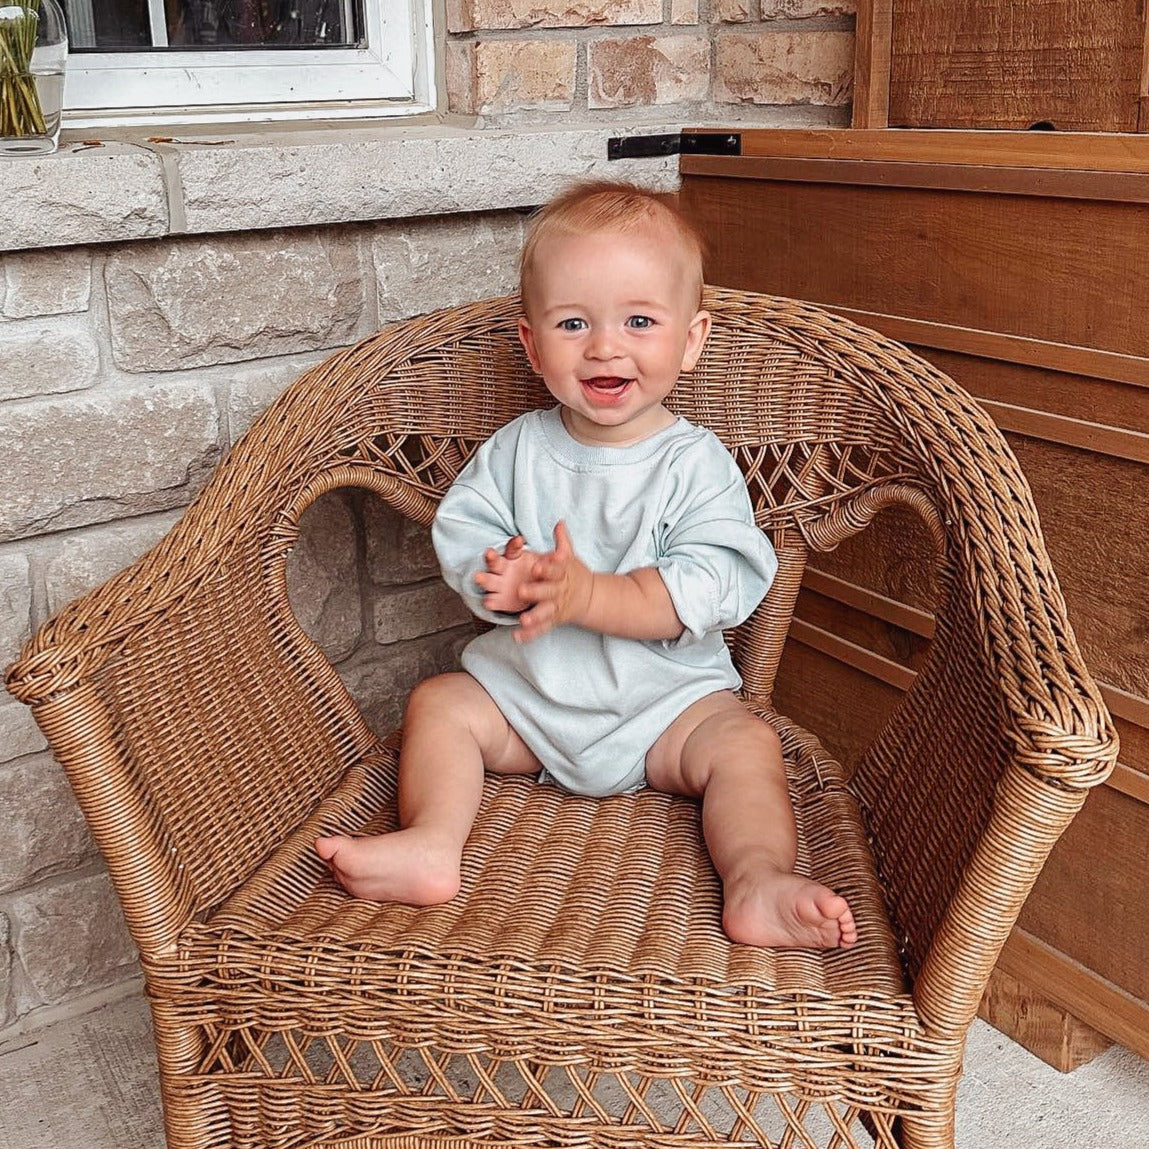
(115, 190)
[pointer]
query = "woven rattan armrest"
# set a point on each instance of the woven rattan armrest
(1003, 732)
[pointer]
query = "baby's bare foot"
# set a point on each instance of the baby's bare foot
(411, 866)
(787, 910)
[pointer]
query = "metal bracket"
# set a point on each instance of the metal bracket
(684, 143)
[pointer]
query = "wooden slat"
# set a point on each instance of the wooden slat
(1131, 707)
(1082, 151)
(1121, 187)
(1036, 268)
(1096, 437)
(872, 30)
(1130, 782)
(875, 665)
(1125, 779)
(1087, 362)
(1106, 401)
(877, 605)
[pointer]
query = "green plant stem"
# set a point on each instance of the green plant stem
(20, 111)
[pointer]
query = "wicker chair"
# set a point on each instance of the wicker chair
(579, 992)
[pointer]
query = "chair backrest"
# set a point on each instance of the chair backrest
(199, 724)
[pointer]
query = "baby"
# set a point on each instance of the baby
(612, 542)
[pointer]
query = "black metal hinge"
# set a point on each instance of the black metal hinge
(671, 144)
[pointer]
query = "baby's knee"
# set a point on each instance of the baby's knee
(740, 729)
(450, 692)
(456, 700)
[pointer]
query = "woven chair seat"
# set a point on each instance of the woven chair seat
(606, 908)
(573, 893)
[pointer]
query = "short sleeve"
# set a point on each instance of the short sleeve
(717, 565)
(474, 514)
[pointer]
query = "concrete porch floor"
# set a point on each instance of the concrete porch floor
(88, 1082)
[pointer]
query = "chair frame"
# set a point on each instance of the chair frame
(208, 741)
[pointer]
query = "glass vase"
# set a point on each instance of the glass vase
(33, 53)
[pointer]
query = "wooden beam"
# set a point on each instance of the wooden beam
(1022, 1012)
(872, 40)
(1052, 151)
(1087, 995)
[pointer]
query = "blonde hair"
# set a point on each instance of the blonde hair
(594, 206)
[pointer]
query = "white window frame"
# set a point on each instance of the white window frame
(389, 74)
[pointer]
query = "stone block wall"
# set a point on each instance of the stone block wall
(122, 383)
(528, 61)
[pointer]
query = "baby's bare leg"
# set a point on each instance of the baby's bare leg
(719, 751)
(452, 730)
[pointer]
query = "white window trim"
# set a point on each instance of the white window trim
(390, 75)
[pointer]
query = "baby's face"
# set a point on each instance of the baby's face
(611, 322)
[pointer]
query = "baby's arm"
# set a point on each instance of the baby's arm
(562, 589)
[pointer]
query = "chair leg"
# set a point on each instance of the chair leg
(934, 1132)
(190, 1122)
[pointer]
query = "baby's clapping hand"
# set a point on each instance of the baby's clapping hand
(504, 577)
(559, 588)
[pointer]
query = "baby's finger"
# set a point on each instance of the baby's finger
(535, 622)
(515, 547)
(564, 548)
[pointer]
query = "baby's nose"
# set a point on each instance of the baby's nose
(602, 344)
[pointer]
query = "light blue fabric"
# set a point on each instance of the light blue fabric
(590, 705)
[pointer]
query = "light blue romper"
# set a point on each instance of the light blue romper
(591, 705)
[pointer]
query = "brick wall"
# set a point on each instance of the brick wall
(524, 59)
(123, 380)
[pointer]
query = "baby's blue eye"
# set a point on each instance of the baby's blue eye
(572, 324)
(640, 321)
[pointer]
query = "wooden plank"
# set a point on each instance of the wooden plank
(1083, 151)
(859, 657)
(877, 605)
(1123, 187)
(1093, 517)
(1086, 436)
(1075, 65)
(1038, 268)
(1129, 710)
(1090, 901)
(843, 706)
(1096, 1001)
(1022, 1012)
(1132, 707)
(872, 31)
(837, 637)
(1130, 782)
(1113, 403)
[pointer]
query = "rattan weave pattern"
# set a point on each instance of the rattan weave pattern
(579, 991)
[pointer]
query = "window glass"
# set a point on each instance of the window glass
(188, 61)
(137, 25)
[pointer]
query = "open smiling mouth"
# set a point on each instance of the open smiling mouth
(606, 386)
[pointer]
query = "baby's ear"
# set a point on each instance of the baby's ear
(696, 339)
(527, 339)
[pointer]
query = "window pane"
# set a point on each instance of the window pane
(203, 25)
